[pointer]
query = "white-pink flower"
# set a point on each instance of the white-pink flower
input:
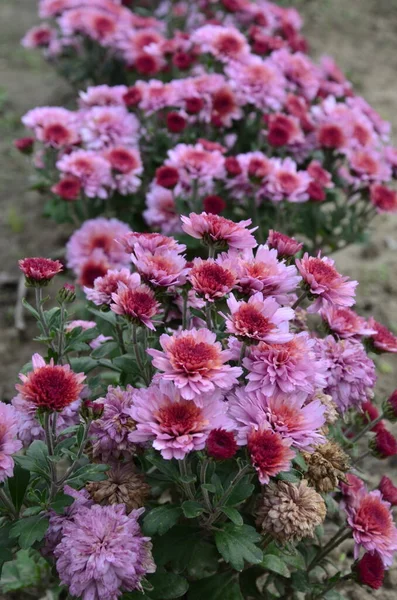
(215, 230)
(91, 169)
(161, 268)
(285, 182)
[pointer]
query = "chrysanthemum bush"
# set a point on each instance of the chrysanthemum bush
(235, 119)
(204, 433)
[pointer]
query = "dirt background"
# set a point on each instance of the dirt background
(360, 34)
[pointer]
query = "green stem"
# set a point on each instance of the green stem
(203, 474)
(208, 315)
(217, 512)
(184, 309)
(242, 353)
(367, 428)
(42, 318)
(328, 588)
(338, 538)
(61, 335)
(49, 438)
(8, 503)
(184, 471)
(78, 456)
(138, 354)
(120, 340)
(299, 300)
(211, 251)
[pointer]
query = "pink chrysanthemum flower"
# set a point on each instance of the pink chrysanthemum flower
(371, 521)
(285, 182)
(383, 340)
(39, 271)
(258, 82)
(109, 433)
(270, 453)
(259, 319)
(383, 198)
(39, 36)
(324, 282)
(105, 126)
(388, 490)
(91, 169)
(9, 444)
(176, 426)
(350, 374)
(264, 272)
(98, 234)
(126, 166)
(225, 43)
(300, 71)
(102, 95)
(135, 302)
(285, 368)
(194, 162)
(53, 125)
(50, 387)
(195, 362)
(212, 279)
(150, 242)
(103, 553)
(368, 166)
(285, 246)
(345, 323)
(285, 414)
(107, 285)
(161, 268)
(353, 490)
(161, 212)
(217, 231)
(29, 427)
(96, 265)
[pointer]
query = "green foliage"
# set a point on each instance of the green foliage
(237, 544)
(27, 570)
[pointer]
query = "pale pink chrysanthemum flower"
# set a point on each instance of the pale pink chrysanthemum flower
(345, 323)
(324, 283)
(150, 242)
(102, 95)
(212, 279)
(103, 552)
(104, 287)
(161, 212)
(194, 162)
(30, 428)
(357, 103)
(259, 319)
(109, 433)
(285, 414)
(302, 74)
(126, 166)
(91, 21)
(40, 36)
(217, 231)
(371, 521)
(162, 268)
(333, 82)
(258, 82)
(264, 272)
(53, 125)
(350, 374)
(290, 367)
(156, 95)
(225, 43)
(133, 43)
(195, 362)
(175, 426)
(285, 182)
(99, 233)
(9, 443)
(367, 165)
(105, 126)
(135, 302)
(383, 340)
(269, 452)
(91, 169)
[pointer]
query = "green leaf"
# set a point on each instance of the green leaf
(83, 364)
(108, 316)
(18, 485)
(237, 544)
(241, 491)
(88, 472)
(167, 586)
(60, 502)
(160, 519)
(29, 530)
(27, 570)
(233, 515)
(300, 461)
(292, 476)
(126, 363)
(192, 509)
(222, 586)
(300, 581)
(105, 349)
(30, 309)
(167, 467)
(203, 560)
(273, 563)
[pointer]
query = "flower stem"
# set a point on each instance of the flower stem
(42, 318)
(184, 309)
(217, 512)
(8, 503)
(337, 539)
(367, 428)
(203, 473)
(208, 315)
(184, 471)
(138, 354)
(299, 300)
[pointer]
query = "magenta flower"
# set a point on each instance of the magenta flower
(213, 279)
(105, 126)
(269, 452)
(91, 169)
(9, 444)
(383, 340)
(287, 415)
(175, 426)
(287, 368)
(285, 246)
(215, 230)
(107, 285)
(324, 282)
(149, 241)
(195, 362)
(161, 268)
(103, 553)
(39, 271)
(135, 302)
(345, 323)
(285, 182)
(259, 319)
(371, 521)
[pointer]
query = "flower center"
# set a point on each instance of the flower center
(180, 418)
(192, 357)
(374, 517)
(249, 321)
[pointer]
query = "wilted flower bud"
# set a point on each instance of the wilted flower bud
(326, 466)
(92, 409)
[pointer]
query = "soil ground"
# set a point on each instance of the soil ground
(361, 36)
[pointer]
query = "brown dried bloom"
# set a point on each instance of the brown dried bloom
(123, 486)
(290, 512)
(331, 412)
(326, 466)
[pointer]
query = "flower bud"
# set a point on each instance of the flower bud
(66, 294)
(370, 570)
(24, 145)
(384, 444)
(390, 407)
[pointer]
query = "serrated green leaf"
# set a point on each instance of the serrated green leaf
(222, 586)
(160, 519)
(29, 530)
(192, 509)
(88, 472)
(233, 515)
(241, 492)
(273, 563)
(60, 502)
(83, 364)
(17, 485)
(27, 570)
(108, 316)
(237, 544)
(104, 350)
(167, 586)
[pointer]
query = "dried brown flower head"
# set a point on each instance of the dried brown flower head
(327, 465)
(123, 486)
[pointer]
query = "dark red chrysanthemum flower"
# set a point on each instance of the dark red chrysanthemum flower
(390, 407)
(383, 340)
(214, 204)
(370, 413)
(316, 192)
(24, 145)
(370, 570)
(182, 60)
(383, 198)
(193, 105)
(132, 97)
(388, 490)
(68, 188)
(270, 453)
(221, 444)
(175, 122)
(232, 166)
(50, 387)
(167, 177)
(39, 271)
(146, 64)
(384, 444)
(331, 136)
